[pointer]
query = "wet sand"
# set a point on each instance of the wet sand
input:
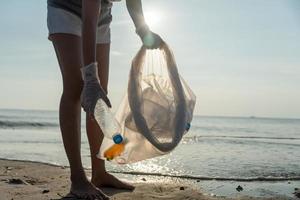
(36, 181)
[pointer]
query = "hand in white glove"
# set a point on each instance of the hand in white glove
(92, 90)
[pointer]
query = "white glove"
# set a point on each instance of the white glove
(92, 90)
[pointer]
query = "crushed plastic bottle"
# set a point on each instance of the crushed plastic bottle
(107, 122)
(110, 128)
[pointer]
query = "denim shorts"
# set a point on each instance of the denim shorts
(63, 21)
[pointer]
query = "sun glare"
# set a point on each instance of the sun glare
(152, 18)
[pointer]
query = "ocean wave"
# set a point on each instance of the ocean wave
(286, 141)
(223, 129)
(32, 142)
(24, 124)
(240, 137)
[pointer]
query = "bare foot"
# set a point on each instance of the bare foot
(86, 190)
(108, 180)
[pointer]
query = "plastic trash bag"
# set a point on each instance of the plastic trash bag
(156, 111)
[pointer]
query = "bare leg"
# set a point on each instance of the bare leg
(68, 51)
(100, 177)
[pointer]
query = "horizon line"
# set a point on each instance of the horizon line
(196, 115)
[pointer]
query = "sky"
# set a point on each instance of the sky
(241, 58)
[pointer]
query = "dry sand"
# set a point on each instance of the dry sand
(37, 181)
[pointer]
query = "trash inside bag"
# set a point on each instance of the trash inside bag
(154, 114)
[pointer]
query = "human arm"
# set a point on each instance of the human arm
(90, 15)
(92, 90)
(150, 40)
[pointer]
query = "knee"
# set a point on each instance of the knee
(72, 90)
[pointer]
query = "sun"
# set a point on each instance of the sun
(153, 18)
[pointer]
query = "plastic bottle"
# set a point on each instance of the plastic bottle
(110, 128)
(107, 122)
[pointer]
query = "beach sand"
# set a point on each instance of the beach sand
(36, 181)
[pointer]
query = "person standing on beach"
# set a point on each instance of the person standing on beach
(80, 33)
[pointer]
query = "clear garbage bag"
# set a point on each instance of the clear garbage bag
(156, 111)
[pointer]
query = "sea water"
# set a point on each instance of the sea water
(215, 147)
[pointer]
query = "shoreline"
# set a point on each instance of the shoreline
(200, 178)
(37, 180)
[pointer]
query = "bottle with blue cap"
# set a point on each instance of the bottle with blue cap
(110, 128)
(107, 122)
